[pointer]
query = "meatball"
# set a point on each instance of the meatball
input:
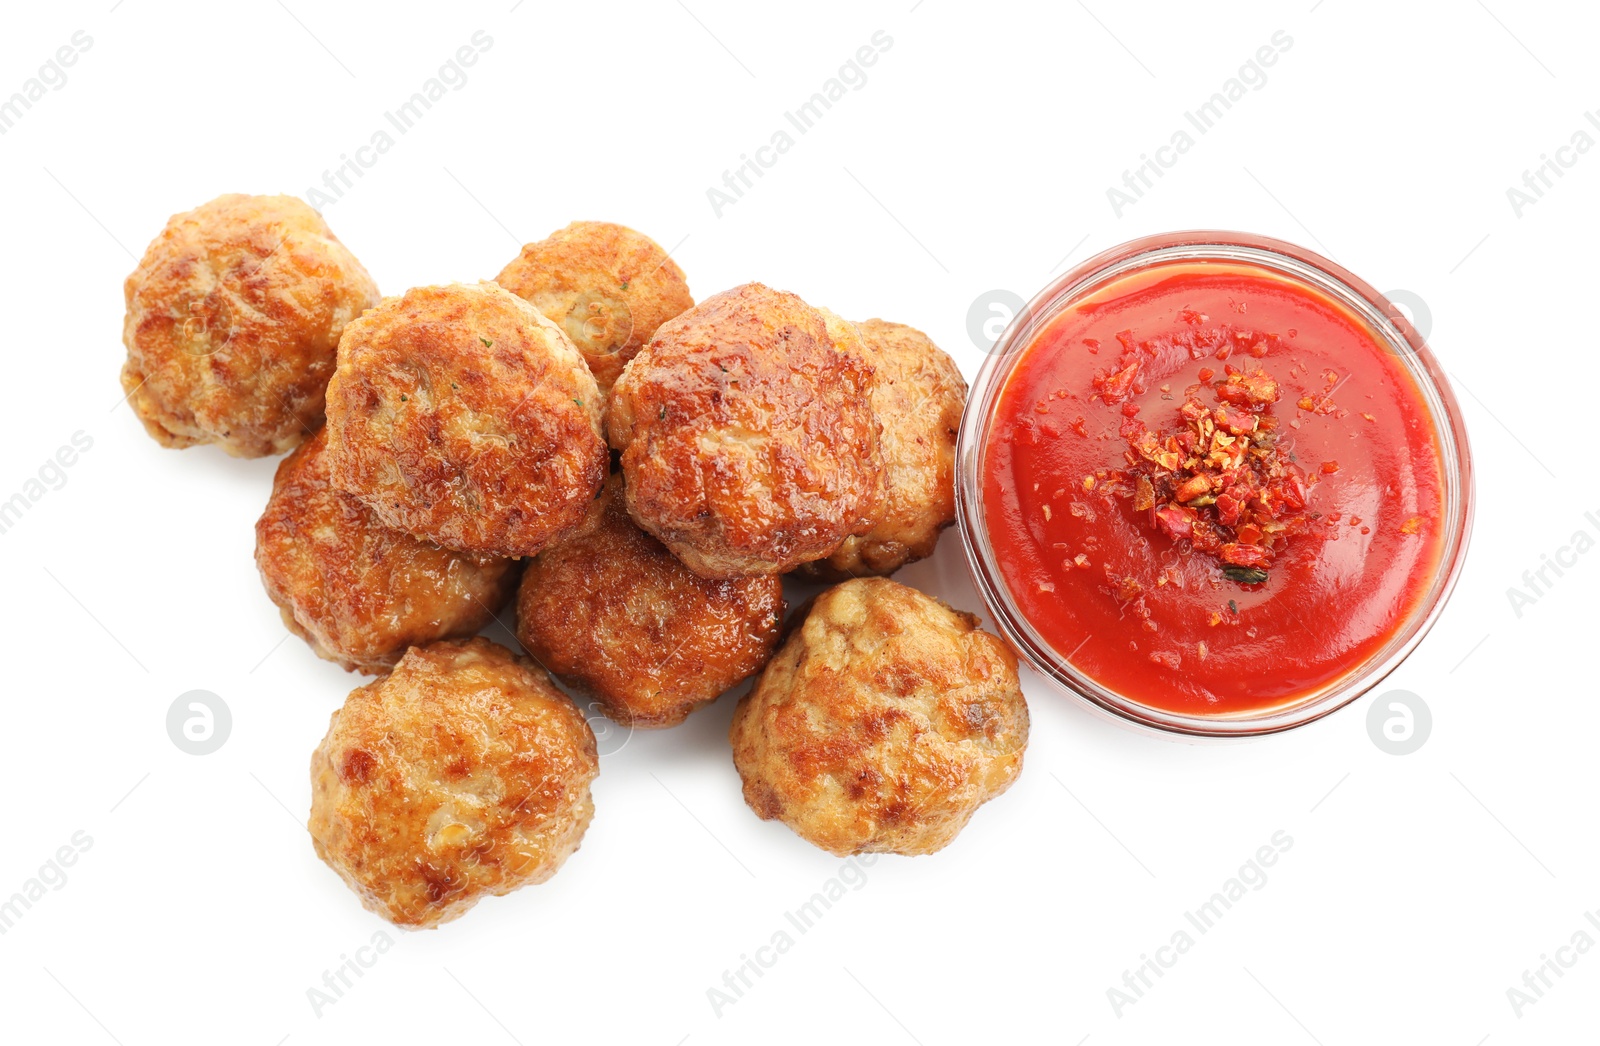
(233, 317)
(617, 616)
(607, 286)
(464, 772)
(883, 723)
(747, 436)
(357, 591)
(463, 416)
(918, 394)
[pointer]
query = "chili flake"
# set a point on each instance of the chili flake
(1221, 482)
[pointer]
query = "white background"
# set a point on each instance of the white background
(977, 156)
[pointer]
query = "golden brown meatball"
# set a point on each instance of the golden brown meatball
(233, 316)
(607, 286)
(463, 416)
(462, 773)
(747, 436)
(617, 616)
(918, 394)
(357, 591)
(882, 724)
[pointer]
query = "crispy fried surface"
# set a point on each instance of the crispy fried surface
(357, 591)
(882, 724)
(607, 286)
(747, 437)
(918, 395)
(463, 416)
(616, 615)
(463, 773)
(233, 316)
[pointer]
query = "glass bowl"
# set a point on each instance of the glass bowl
(1390, 327)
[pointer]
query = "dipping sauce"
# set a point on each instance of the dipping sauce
(1212, 488)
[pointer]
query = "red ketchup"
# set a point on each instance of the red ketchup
(1212, 489)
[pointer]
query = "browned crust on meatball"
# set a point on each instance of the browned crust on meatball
(463, 416)
(618, 617)
(918, 395)
(233, 317)
(357, 591)
(463, 773)
(607, 286)
(747, 436)
(883, 723)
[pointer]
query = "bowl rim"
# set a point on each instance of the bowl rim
(1393, 329)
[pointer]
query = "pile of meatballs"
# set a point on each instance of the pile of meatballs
(637, 473)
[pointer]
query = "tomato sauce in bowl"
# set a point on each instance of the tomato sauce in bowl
(1214, 484)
